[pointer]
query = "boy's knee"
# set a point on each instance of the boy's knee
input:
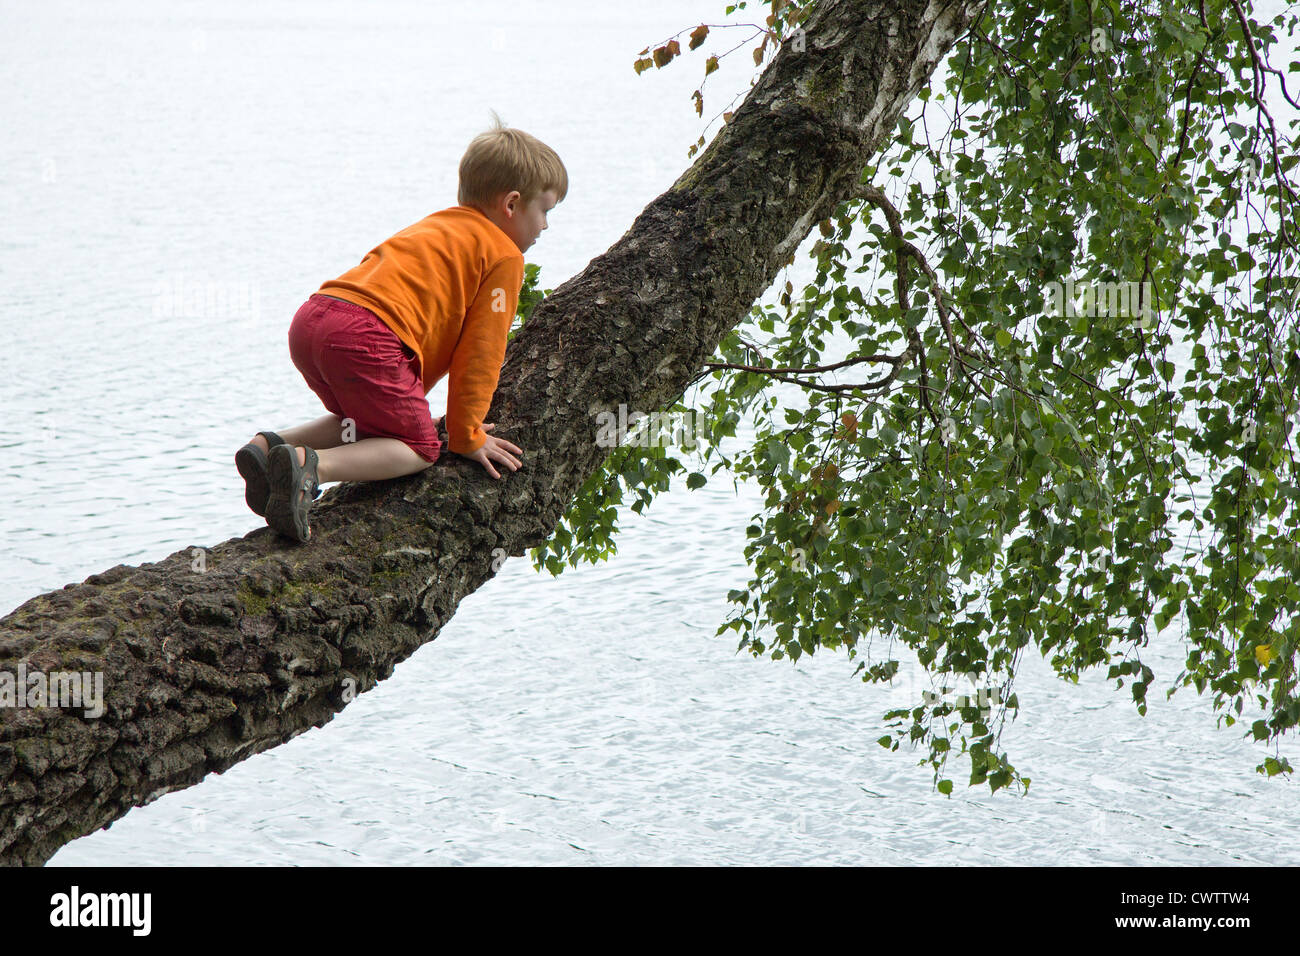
(421, 462)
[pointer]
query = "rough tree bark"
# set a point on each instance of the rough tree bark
(205, 669)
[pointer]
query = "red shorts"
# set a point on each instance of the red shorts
(361, 370)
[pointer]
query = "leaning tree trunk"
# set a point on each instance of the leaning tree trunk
(203, 669)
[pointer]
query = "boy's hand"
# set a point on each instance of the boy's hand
(496, 449)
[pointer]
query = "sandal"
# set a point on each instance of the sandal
(251, 462)
(293, 488)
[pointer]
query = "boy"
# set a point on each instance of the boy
(435, 299)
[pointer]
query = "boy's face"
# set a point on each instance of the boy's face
(524, 221)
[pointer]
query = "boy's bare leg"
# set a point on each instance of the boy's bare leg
(324, 432)
(370, 459)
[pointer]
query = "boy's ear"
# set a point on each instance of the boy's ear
(509, 201)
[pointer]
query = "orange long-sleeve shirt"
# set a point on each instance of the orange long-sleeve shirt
(448, 286)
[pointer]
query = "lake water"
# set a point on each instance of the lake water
(250, 151)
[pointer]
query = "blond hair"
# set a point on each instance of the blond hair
(504, 159)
